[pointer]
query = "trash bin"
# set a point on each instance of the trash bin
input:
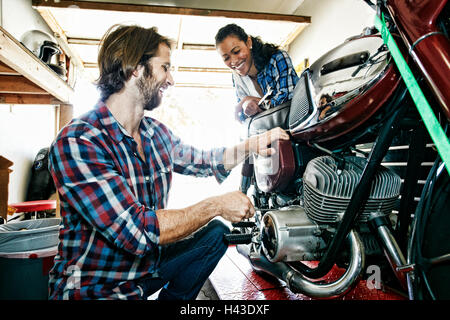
(27, 250)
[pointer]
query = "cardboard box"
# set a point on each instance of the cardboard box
(4, 181)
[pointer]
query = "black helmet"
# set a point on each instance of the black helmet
(44, 46)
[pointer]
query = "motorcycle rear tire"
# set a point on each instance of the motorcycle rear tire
(437, 242)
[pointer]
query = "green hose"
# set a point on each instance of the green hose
(431, 123)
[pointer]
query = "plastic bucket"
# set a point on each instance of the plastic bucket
(29, 235)
(27, 251)
(24, 275)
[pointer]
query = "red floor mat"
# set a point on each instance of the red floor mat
(234, 279)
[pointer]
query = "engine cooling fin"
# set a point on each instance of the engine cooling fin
(328, 189)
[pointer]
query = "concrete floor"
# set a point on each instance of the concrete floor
(207, 292)
(234, 279)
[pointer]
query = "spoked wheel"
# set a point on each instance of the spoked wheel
(430, 246)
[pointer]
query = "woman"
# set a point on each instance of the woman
(258, 69)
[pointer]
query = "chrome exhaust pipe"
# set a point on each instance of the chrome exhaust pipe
(298, 283)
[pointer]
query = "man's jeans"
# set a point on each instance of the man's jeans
(185, 265)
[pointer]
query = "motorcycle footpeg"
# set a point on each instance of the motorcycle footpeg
(244, 224)
(238, 238)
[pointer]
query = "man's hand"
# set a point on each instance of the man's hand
(324, 113)
(233, 206)
(175, 224)
(261, 144)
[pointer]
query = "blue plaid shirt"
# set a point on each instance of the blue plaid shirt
(279, 75)
(109, 234)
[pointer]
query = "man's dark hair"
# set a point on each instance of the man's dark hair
(261, 52)
(123, 48)
(327, 97)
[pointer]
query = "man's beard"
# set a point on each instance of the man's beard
(150, 93)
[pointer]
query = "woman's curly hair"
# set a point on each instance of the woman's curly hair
(261, 52)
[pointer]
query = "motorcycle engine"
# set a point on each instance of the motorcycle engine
(289, 235)
(297, 233)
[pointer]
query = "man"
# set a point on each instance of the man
(112, 168)
(324, 106)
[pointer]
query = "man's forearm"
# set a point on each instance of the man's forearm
(175, 224)
(232, 156)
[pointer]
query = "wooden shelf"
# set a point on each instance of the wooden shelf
(24, 79)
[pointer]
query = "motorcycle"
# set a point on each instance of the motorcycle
(363, 180)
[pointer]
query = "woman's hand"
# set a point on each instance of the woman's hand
(248, 106)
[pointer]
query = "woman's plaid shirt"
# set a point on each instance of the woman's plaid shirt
(278, 75)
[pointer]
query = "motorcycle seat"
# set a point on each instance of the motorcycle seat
(269, 119)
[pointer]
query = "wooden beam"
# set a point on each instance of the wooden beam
(195, 46)
(7, 71)
(203, 69)
(17, 57)
(94, 65)
(9, 98)
(60, 36)
(94, 5)
(20, 85)
(91, 65)
(179, 40)
(65, 115)
(84, 41)
(292, 36)
(202, 85)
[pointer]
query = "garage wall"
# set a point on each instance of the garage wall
(18, 17)
(24, 129)
(332, 21)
